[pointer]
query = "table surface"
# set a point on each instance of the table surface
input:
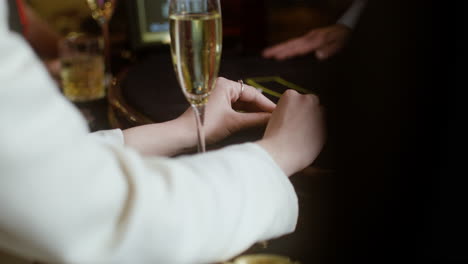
(151, 88)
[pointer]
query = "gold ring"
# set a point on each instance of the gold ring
(242, 87)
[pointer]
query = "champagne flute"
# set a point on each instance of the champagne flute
(102, 11)
(196, 44)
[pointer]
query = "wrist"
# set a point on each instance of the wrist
(163, 139)
(278, 155)
(185, 131)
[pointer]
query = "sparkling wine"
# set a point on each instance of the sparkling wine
(196, 44)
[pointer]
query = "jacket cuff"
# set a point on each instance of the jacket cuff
(113, 136)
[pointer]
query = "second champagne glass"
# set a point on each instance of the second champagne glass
(102, 11)
(196, 44)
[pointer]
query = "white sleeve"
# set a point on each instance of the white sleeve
(351, 16)
(66, 197)
(112, 136)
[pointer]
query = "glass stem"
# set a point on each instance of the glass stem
(105, 34)
(199, 111)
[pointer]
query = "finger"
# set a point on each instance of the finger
(289, 51)
(272, 51)
(246, 120)
(285, 49)
(295, 48)
(302, 46)
(246, 107)
(328, 50)
(253, 98)
(276, 51)
(269, 52)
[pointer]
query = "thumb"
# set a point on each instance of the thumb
(328, 50)
(246, 120)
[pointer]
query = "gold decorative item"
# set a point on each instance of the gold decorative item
(262, 259)
(102, 11)
(82, 68)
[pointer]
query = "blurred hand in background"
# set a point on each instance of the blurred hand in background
(325, 42)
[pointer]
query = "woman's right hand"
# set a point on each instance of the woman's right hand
(295, 133)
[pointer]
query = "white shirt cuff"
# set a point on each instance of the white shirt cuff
(113, 136)
(351, 16)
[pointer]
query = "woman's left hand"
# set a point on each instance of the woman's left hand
(230, 110)
(221, 120)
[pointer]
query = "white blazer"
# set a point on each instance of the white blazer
(70, 197)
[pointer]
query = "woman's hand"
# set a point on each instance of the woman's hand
(221, 120)
(222, 116)
(295, 133)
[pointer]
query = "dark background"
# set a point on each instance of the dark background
(394, 116)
